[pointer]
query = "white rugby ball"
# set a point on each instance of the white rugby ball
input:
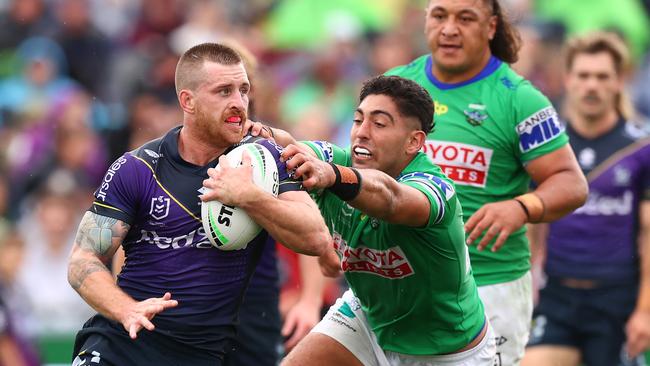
(229, 227)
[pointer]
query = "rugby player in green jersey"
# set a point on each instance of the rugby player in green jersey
(399, 239)
(494, 132)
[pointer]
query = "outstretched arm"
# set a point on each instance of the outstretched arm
(292, 218)
(377, 194)
(98, 237)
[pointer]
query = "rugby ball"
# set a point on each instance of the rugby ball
(229, 227)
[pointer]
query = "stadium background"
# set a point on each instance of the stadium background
(82, 81)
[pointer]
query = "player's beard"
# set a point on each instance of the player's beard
(213, 131)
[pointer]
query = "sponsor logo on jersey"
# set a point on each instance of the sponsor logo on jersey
(538, 129)
(159, 207)
(152, 153)
(598, 205)
(463, 163)
(475, 114)
(195, 238)
(390, 263)
(439, 108)
(587, 158)
(108, 177)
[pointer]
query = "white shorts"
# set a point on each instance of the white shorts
(353, 332)
(509, 307)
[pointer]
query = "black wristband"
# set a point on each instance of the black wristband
(348, 182)
(525, 209)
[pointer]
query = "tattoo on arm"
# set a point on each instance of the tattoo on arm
(99, 235)
(80, 269)
(96, 233)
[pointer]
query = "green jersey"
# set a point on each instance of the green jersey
(486, 130)
(414, 284)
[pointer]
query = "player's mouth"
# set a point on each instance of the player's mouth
(449, 47)
(361, 153)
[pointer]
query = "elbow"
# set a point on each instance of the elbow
(581, 192)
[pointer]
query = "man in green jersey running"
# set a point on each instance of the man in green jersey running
(494, 132)
(397, 228)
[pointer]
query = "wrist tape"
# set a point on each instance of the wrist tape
(348, 182)
(533, 205)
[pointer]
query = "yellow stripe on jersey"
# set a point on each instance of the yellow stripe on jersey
(166, 191)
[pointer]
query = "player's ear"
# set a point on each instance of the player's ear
(186, 100)
(415, 141)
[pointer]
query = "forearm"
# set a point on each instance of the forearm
(96, 285)
(312, 281)
(378, 196)
(298, 225)
(643, 301)
(562, 193)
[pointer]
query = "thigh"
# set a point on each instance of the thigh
(604, 317)
(510, 319)
(547, 355)
(258, 340)
(318, 349)
(345, 328)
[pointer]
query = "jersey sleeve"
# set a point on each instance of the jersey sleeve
(287, 183)
(329, 152)
(537, 127)
(438, 191)
(117, 195)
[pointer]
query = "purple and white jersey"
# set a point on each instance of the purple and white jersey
(599, 240)
(155, 191)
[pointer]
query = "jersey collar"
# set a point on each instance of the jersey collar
(492, 66)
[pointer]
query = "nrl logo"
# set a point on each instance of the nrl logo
(159, 207)
(476, 114)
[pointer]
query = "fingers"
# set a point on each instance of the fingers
(246, 159)
(491, 232)
(223, 162)
(133, 330)
(289, 152)
(471, 223)
(501, 239)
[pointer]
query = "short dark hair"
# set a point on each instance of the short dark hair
(188, 75)
(506, 42)
(411, 99)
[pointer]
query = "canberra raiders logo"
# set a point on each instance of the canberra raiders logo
(475, 115)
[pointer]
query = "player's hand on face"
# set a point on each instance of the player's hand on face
(330, 264)
(315, 174)
(637, 331)
(230, 185)
(139, 314)
(258, 129)
(497, 219)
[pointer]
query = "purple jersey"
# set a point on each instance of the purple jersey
(155, 191)
(599, 240)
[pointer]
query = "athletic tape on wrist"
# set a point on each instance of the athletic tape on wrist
(535, 207)
(348, 182)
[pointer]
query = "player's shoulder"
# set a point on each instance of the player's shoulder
(510, 84)
(411, 69)
(423, 170)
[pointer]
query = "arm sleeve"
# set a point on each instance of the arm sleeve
(330, 153)
(287, 182)
(439, 192)
(117, 195)
(537, 125)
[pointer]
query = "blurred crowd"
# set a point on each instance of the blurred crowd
(82, 81)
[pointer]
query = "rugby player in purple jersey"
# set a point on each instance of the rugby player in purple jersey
(183, 291)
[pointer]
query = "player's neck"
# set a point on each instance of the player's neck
(451, 76)
(592, 127)
(193, 149)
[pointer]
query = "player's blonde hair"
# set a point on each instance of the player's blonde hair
(189, 72)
